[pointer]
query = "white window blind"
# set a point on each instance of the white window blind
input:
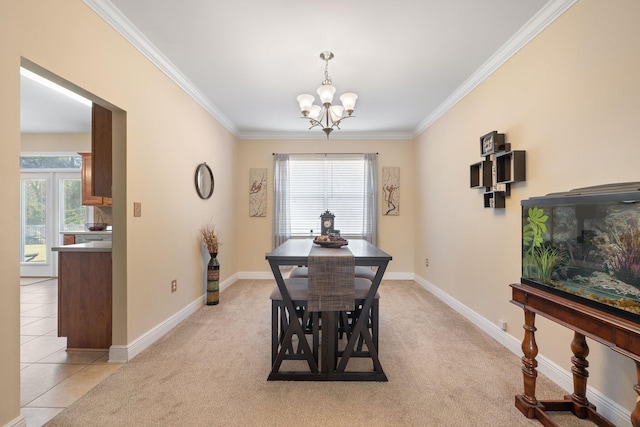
(320, 182)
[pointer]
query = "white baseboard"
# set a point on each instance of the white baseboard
(124, 353)
(230, 281)
(609, 409)
(20, 421)
(397, 275)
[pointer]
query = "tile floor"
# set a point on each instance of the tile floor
(50, 377)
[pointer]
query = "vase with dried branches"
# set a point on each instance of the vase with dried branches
(210, 240)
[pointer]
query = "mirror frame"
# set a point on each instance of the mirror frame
(204, 181)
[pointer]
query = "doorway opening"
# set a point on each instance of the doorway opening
(50, 205)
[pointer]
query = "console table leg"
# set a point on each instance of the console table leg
(529, 362)
(635, 415)
(580, 351)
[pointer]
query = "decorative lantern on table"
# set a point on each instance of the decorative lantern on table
(210, 239)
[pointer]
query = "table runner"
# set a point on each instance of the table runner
(331, 278)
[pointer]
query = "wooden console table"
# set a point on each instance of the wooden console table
(619, 334)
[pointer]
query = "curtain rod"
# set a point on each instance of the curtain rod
(273, 154)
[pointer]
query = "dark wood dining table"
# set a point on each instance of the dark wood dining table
(332, 366)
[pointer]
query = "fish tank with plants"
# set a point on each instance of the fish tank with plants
(584, 245)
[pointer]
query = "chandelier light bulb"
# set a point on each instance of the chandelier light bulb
(305, 101)
(336, 112)
(315, 111)
(326, 92)
(349, 101)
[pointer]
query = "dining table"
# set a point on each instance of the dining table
(333, 365)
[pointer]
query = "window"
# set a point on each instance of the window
(50, 162)
(73, 216)
(309, 184)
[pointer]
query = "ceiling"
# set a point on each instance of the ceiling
(47, 110)
(245, 61)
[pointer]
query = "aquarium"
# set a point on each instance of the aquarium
(584, 244)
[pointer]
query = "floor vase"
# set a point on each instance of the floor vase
(213, 280)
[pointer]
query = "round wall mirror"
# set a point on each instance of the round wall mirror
(204, 181)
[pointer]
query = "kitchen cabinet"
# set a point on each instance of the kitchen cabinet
(85, 295)
(88, 198)
(101, 148)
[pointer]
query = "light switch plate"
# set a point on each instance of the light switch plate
(137, 209)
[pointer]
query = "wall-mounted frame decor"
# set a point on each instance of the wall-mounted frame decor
(258, 192)
(500, 168)
(204, 181)
(391, 190)
(491, 143)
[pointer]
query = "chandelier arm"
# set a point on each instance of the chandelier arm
(313, 122)
(337, 122)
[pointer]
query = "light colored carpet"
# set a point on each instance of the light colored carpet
(211, 370)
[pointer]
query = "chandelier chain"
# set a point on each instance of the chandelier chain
(327, 79)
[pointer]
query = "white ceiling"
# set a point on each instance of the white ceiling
(45, 110)
(246, 61)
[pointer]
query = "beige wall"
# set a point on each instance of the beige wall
(155, 155)
(9, 214)
(60, 142)
(254, 234)
(571, 99)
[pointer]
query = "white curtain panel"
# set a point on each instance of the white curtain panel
(281, 222)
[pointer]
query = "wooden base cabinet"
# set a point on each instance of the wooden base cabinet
(85, 299)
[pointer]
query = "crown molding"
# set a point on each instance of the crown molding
(335, 136)
(548, 14)
(112, 16)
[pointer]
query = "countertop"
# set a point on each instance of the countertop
(86, 232)
(101, 246)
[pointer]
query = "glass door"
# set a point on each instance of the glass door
(51, 203)
(36, 226)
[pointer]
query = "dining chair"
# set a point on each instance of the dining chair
(348, 319)
(298, 289)
(363, 278)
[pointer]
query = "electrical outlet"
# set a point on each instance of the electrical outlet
(502, 324)
(426, 262)
(174, 285)
(137, 209)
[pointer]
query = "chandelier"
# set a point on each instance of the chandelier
(327, 116)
